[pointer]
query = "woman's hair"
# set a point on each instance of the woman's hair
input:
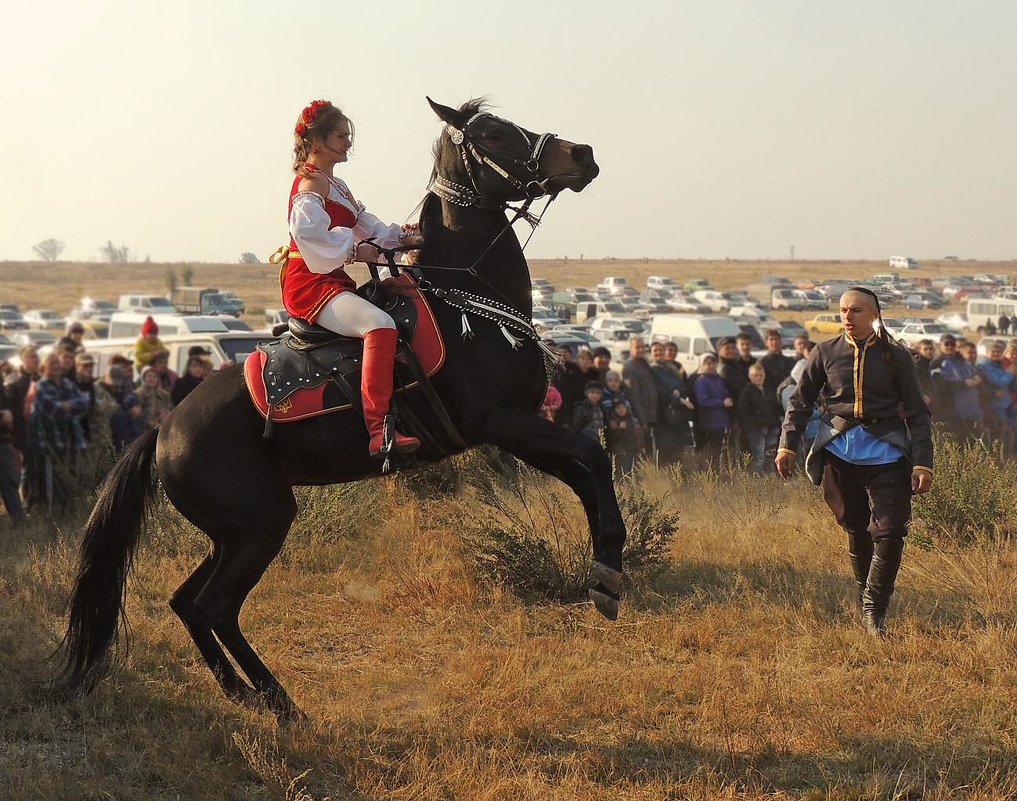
(316, 121)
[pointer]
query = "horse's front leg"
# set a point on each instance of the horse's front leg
(582, 464)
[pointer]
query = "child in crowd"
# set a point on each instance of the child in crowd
(614, 392)
(148, 343)
(552, 403)
(622, 437)
(588, 417)
(759, 414)
(128, 423)
(713, 400)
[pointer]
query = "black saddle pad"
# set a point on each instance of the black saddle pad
(313, 355)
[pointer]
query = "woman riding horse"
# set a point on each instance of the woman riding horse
(326, 225)
(224, 477)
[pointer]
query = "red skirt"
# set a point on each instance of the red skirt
(305, 294)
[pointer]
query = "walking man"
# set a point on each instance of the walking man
(868, 456)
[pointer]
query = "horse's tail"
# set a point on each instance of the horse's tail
(96, 607)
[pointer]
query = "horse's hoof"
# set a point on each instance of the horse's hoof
(606, 604)
(608, 576)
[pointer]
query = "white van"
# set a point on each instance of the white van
(694, 334)
(147, 303)
(128, 324)
(232, 346)
(713, 299)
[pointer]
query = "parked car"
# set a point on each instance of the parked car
(45, 320)
(922, 301)
(12, 321)
(828, 323)
(90, 309)
(791, 329)
(686, 305)
(128, 324)
(541, 283)
(911, 333)
(662, 282)
(8, 349)
(274, 317)
(893, 326)
(613, 284)
(954, 321)
(794, 299)
(234, 323)
(602, 325)
(695, 284)
(38, 338)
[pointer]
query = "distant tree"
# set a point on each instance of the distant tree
(171, 280)
(115, 254)
(187, 275)
(249, 258)
(49, 249)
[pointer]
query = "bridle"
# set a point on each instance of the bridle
(522, 174)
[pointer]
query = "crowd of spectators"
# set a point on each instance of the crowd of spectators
(728, 412)
(728, 406)
(55, 413)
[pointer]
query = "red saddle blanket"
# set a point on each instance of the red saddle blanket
(427, 344)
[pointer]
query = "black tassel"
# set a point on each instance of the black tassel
(267, 433)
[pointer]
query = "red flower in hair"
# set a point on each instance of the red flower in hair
(308, 114)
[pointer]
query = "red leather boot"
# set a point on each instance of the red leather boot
(376, 389)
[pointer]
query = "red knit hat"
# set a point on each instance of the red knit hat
(149, 327)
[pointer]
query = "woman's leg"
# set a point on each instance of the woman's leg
(350, 315)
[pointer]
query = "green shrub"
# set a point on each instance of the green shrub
(972, 497)
(530, 534)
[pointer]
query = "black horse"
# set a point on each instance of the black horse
(237, 486)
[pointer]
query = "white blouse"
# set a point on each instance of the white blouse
(322, 249)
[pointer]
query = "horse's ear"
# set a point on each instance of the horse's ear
(449, 115)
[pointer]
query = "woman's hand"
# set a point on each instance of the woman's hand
(366, 252)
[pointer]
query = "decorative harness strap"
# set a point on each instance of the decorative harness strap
(504, 315)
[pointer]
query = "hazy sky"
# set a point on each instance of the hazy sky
(723, 129)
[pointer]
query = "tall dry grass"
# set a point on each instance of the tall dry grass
(737, 670)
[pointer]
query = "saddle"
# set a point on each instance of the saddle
(315, 371)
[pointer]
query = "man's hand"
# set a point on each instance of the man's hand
(6, 418)
(921, 481)
(785, 463)
(728, 403)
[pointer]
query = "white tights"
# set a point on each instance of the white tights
(350, 315)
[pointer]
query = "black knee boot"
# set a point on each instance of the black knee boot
(879, 587)
(860, 551)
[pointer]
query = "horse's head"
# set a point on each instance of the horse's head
(486, 160)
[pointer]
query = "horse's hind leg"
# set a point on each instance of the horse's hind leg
(181, 602)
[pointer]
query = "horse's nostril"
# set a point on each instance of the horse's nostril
(582, 155)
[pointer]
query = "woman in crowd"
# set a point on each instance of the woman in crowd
(328, 226)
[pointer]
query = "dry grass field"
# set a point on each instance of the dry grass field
(738, 669)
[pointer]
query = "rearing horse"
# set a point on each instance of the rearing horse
(237, 486)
